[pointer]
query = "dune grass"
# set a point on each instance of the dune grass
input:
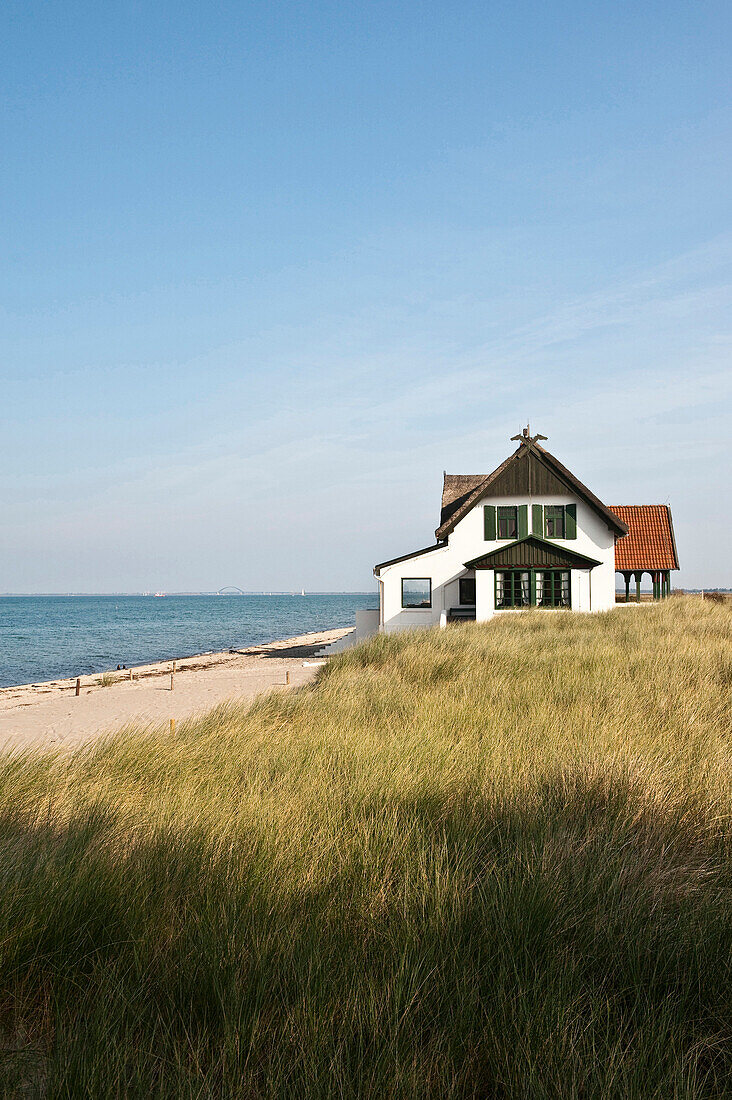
(493, 861)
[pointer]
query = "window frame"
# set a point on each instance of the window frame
(556, 587)
(501, 516)
(418, 606)
(558, 580)
(558, 510)
(520, 588)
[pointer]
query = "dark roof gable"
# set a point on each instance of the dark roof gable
(531, 552)
(526, 471)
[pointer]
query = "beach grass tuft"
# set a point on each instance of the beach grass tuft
(489, 861)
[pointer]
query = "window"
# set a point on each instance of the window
(560, 521)
(508, 522)
(554, 521)
(416, 592)
(552, 588)
(533, 588)
(505, 522)
(467, 590)
(513, 589)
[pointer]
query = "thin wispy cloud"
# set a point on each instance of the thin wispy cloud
(248, 320)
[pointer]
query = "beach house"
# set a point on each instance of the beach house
(530, 534)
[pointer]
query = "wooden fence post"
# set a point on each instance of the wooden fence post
(78, 686)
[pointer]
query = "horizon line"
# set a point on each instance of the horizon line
(203, 592)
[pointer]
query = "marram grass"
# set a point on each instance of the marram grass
(493, 861)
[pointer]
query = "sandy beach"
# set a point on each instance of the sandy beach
(51, 715)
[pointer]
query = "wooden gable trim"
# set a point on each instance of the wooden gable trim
(516, 476)
(673, 537)
(532, 553)
(406, 557)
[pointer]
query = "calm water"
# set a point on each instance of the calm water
(46, 637)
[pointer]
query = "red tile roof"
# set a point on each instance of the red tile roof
(650, 543)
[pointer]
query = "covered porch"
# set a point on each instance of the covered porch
(532, 572)
(660, 583)
(648, 548)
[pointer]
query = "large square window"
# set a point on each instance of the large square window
(554, 521)
(416, 592)
(508, 522)
(533, 588)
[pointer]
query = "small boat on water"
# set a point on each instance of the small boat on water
(159, 595)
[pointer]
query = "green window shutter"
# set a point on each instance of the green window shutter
(523, 521)
(537, 520)
(570, 523)
(489, 522)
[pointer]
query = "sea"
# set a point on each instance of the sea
(50, 637)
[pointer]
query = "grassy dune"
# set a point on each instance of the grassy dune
(494, 861)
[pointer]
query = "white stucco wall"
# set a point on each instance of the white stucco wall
(485, 595)
(592, 590)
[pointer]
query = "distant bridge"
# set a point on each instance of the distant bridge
(230, 590)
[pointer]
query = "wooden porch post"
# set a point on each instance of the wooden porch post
(627, 587)
(637, 587)
(656, 578)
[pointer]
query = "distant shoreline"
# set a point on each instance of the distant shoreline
(47, 638)
(166, 595)
(258, 594)
(186, 663)
(48, 714)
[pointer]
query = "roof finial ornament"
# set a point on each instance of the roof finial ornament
(526, 439)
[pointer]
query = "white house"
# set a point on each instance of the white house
(528, 535)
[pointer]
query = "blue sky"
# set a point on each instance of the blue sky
(267, 269)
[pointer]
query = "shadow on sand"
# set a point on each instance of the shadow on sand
(295, 651)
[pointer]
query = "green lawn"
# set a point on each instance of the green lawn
(492, 861)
